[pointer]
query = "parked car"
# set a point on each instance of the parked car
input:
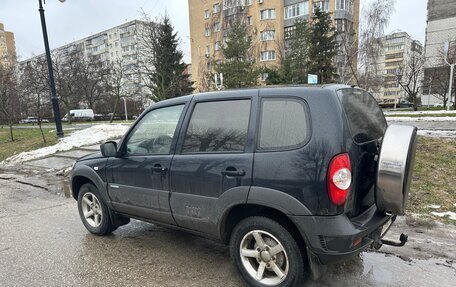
(80, 115)
(32, 120)
(291, 178)
(405, 104)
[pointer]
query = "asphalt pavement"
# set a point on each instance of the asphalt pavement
(43, 243)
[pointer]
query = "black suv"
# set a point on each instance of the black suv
(290, 177)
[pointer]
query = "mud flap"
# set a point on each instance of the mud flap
(316, 268)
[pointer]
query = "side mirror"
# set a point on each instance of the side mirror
(109, 149)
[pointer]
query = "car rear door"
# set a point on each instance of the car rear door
(138, 180)
(214, 158)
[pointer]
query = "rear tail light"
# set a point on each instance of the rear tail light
(339, 179)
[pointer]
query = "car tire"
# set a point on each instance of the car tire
(93, 211)
(261, 263)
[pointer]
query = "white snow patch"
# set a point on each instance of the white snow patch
(421, 119)
(454, 204)
(419, 112)
(89, 136)
(434, 206)
(437, 134)
(451, 215)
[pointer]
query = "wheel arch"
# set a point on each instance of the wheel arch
(241, 211)
(84, 174)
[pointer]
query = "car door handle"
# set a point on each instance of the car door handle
(233, 172)
(159, 168)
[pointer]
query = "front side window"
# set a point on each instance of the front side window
(218, 127)
(154, 133)
(284, 124)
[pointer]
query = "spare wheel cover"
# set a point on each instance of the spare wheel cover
(395, 167)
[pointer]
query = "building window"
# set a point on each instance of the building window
(207, 32)
(249, 20)
(346, 5)
(217, 46)
(296, 10)
(393, 71)
(264, 76)
(216, 27)
(268, 56)
(267, 14)
(394, 48)
(394, 56)
(268, 35)
(216, 8)
(206, 14)
(248, 2)
(323, 5)
(289, 32)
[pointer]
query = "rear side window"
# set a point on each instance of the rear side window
(365, 118)
(218, 127)
(284, 124)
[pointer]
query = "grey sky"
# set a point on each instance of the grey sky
(76, 19)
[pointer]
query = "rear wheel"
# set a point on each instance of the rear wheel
(266, 254)
(94, 213)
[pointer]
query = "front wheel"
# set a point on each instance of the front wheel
(266, 254)
(93, 211)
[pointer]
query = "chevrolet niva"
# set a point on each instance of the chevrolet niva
(292, 178)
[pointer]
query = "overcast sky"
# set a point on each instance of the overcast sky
(76, 19)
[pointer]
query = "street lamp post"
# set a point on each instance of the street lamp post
(54, 98)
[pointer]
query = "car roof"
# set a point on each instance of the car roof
(266, 89)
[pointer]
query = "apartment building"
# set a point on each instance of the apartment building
(120, 43)
(441, 27)
(7, 46)
(397, 50)
(269, 24)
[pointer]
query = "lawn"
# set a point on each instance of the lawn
(434, 177)
(24, 140)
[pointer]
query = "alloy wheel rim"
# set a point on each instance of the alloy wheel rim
(91, 209)
(264, 257)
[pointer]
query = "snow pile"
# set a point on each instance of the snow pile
(437, 133)
(419, 112)
(451, 215)
(434, 206)
(89, 136)
(421, 119)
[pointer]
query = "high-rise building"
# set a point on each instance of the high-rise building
(397, 51)
(120, 43)
(7, 46)
(269, 22)
(441, 27)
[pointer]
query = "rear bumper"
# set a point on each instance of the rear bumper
(334, 238)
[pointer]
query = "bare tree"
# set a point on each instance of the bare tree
(68, 69)
(410, 75)
(375, 18)
(91, 78)
(9, 101)
(116, 85)
(34, 86)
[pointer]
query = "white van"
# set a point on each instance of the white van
(80, 115)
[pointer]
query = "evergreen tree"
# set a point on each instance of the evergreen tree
(166, 80)
(322, 47)
(297, 60)
(238, 69)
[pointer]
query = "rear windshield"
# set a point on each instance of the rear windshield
(365, 118)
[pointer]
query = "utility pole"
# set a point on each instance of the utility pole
(54, 98)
